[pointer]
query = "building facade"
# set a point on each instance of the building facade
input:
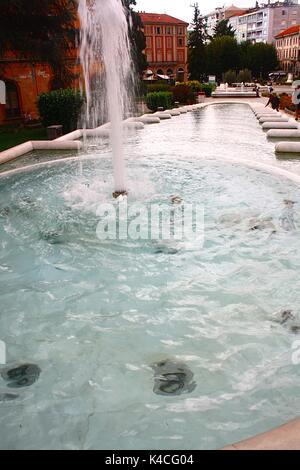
(24, 81)
(166, 45)
(263, 23)
(288, 49)
(218, 14)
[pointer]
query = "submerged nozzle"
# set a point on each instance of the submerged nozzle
(117, 194)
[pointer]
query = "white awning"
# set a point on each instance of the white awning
(164, 77)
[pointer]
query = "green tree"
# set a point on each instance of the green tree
(244, 76)
(244, 54)
(196, 47)
(40, 31)
(223, 28)
(261, 59)
(137, 37)
(229, 77)
(222, 54)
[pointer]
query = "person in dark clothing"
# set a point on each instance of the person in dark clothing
(274, 101)
(256, 89)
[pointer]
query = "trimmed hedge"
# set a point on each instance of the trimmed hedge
(61, 107)
(155, 87)
(195, 87)
(159, 99)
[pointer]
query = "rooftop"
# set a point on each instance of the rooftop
(160, 18)
(287, 32)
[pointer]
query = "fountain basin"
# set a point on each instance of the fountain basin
(283, 134)
(148, 119)
(279, 125)
(265, 115)
(272, 119)
(288, 147)
(173, 112)
(163, 115)
(95, 316)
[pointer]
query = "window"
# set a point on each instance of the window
(169, 43)
(169, 56)
(158, 43)
(148, 30)
(158, 30)
(12, 107)
(180, 42)
(170, 72)
(283, 12)
(149, 56)
(180, 31)
(148, 42)
(160, 72)
(159, 56)
(168, 30)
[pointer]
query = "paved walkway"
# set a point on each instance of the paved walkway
(286, 437)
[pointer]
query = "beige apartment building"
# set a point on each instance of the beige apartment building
(287, 45)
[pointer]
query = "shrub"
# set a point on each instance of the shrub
(60, 107)
(229, 77)
(208, 88)
(245, 76)
(195, 85)
(154, 87)
(286, 102)
(159, 99)
(183, 94)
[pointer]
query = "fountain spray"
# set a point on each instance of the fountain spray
(108, 74)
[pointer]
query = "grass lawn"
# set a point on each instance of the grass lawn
(11, 137)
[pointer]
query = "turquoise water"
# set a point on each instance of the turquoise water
(95, 315)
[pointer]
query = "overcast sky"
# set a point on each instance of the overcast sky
(181, 8)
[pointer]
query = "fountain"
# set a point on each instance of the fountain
(225, 91)
(108, 340)
(108, 73)
(122, 337)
